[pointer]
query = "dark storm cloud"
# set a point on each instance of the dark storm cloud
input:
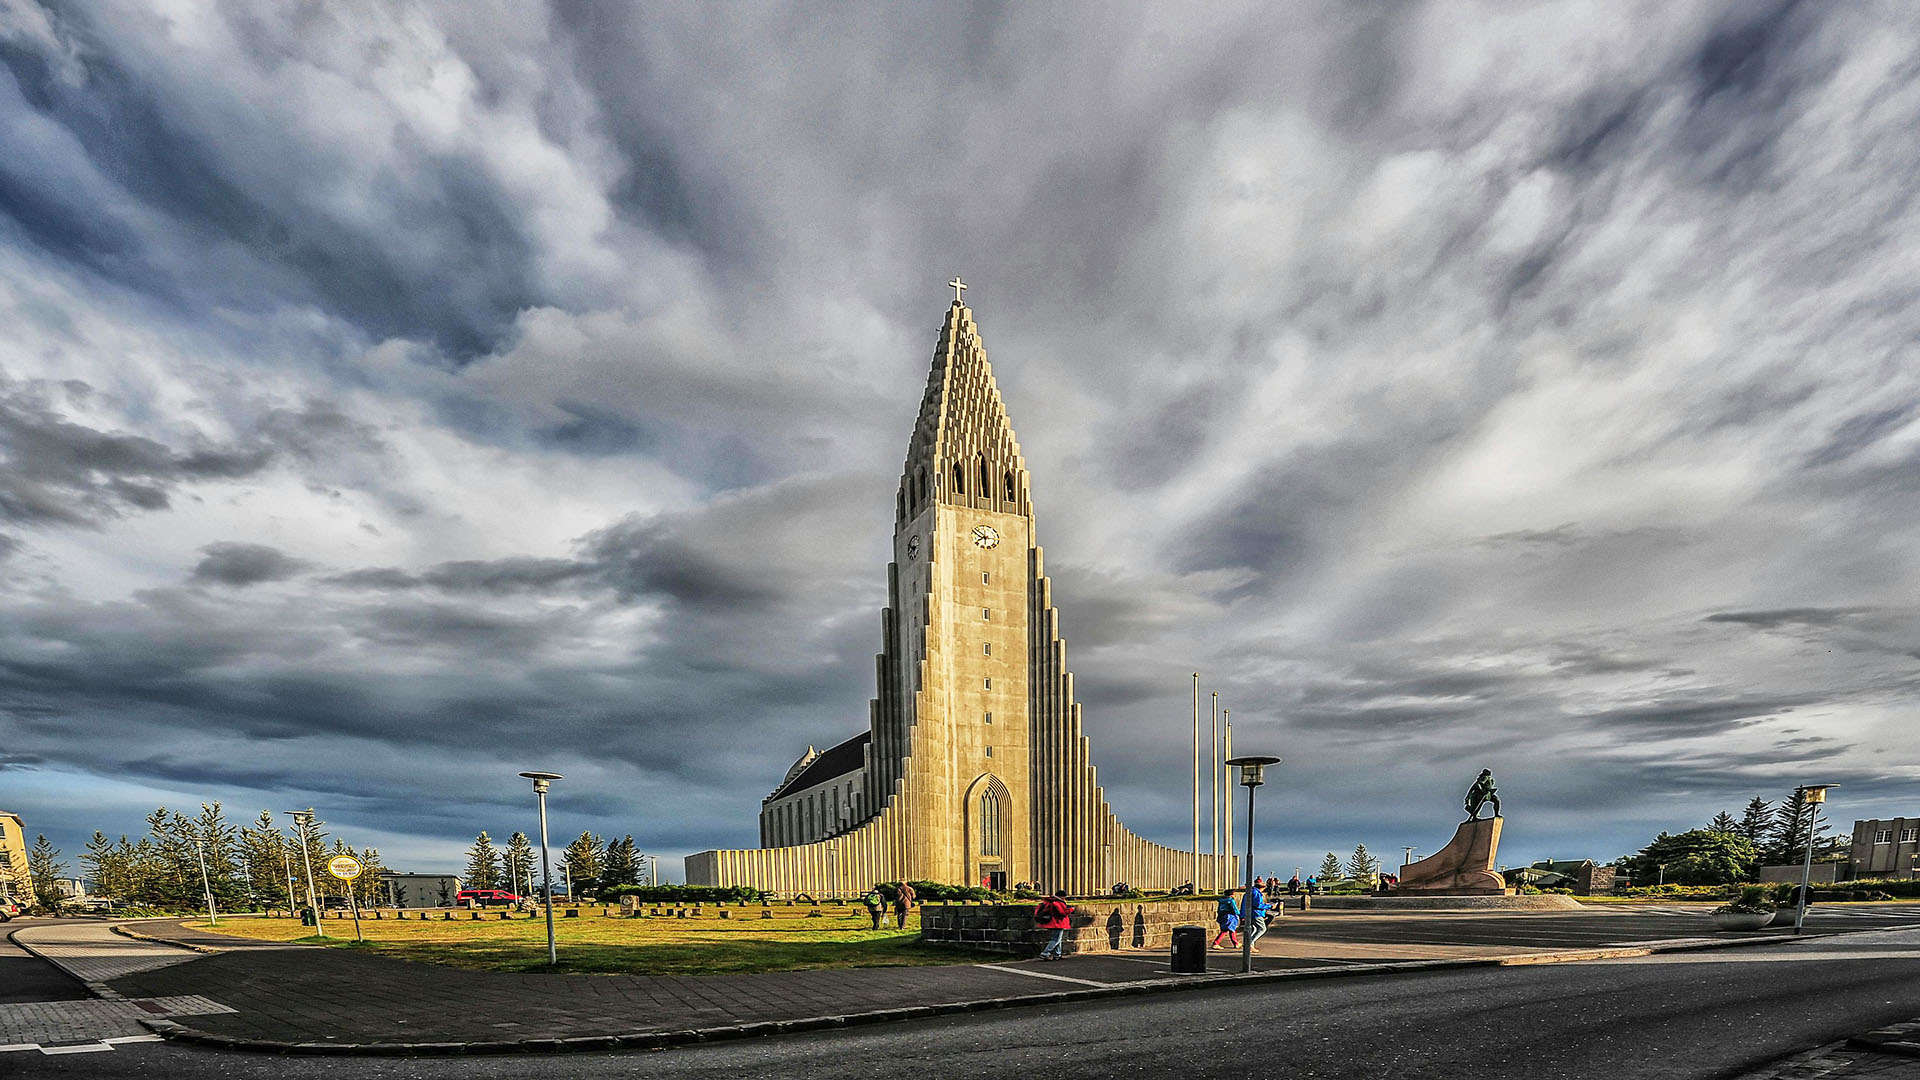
(58, 472)
(444, 258)
(238, 564)
(1781, 617)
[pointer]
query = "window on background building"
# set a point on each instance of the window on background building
(1884, 836)
(1908, 836)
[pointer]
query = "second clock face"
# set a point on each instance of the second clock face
(913, 548)
(986, 536)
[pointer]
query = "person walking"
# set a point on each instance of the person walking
(1055, 914)
(903, 899)
(1227, 914)
(1257, 911)
(876, 905)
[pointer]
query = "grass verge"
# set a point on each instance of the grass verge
(597, 945)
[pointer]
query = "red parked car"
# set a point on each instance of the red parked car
(486, 897)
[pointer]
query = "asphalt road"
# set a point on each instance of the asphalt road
(24, 977)
(1685, 1015)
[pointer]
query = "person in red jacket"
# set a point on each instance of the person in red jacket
(1055, 914)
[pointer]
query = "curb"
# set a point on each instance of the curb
(662, 1039)
(1902, 1039)
(125, 930)
(97, 989)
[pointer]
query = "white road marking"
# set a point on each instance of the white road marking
(1041, 975)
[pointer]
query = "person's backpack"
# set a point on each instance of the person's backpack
(1225, 907)
(873, 901)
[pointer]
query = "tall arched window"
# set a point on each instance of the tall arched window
(1012, 494)
(959, 479)
(986, 484)
(989, 824)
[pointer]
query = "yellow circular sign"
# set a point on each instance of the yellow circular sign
(344, 867)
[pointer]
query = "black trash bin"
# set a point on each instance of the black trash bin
(1189, 950)
(306, 916)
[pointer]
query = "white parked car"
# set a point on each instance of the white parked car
(9, 907)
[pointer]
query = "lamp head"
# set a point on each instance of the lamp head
(1253, 768)
(541, 780)
(1815, 793)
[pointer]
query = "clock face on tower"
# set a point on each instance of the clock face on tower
(913, 548)
(986, 536)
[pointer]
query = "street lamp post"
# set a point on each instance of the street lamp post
(1252, 775)
(540, 782)
(1810, 796)
(303, 819)
(200, 849)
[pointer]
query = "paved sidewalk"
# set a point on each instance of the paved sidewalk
(91, 952)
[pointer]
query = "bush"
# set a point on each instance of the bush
(1753, 900)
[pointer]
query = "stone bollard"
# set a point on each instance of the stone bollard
(679, 913)
(765, 914)
(572, 913)
(724, 913)
(446, 916)
(474, 915)
(814, 913)
(376, 915)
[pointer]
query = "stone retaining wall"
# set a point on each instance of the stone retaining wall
(1101, 927)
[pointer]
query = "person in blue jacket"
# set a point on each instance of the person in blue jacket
(1227, 914)
(1257, 911)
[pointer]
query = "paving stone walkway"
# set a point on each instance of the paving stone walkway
(92, 953)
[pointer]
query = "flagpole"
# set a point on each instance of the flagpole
(1195, 880)
(1226, 725)
(1213, 747)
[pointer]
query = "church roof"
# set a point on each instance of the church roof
(962, 417)
(835, 761)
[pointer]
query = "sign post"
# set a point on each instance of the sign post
(346, 868)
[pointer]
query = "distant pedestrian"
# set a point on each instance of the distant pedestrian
(1293, 885)
(876, 905)
(1227, 914)
(903, 899)
(1256, 911)
(1313, 885)
(1055, 914)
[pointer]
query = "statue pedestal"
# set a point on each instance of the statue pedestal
(1465, 867)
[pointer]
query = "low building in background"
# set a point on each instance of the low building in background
(1582, 876)
(1824, 873)
(1885, 848)
(13, 858)
(418, 890)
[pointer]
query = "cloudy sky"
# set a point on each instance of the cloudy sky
(395, 397)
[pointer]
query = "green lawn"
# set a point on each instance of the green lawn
(592, 944)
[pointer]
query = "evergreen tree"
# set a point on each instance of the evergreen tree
(261, 853)
(584, 864)
(523, 870)
(1757, 822)
(367, 888)
(45, 868)
(1362, 866)
(1723, 822)
(223, 871)
(107, 865)
(1787, 843)
(483, 864)
(1329, 867)
(621, 865)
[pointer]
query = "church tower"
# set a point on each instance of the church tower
(975, 769)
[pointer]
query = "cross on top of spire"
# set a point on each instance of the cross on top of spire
(956, 285)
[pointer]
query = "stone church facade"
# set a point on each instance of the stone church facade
(975, 768)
